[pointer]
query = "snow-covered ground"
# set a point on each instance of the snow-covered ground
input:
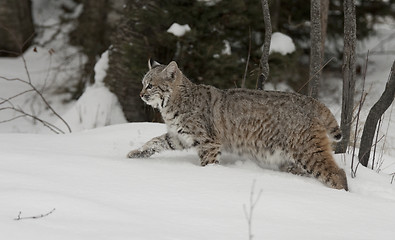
(99, 194)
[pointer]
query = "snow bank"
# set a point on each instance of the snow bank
(99, 194)
(97, 107)
(281, 43)
(178, 30)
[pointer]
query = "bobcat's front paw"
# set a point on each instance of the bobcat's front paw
(137, 154)
(206, 162)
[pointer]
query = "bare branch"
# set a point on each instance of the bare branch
(52, 127)
(13, 79)
(29, 81)
(12, 119)
(15, 96)
(26, 70)
(33, 88)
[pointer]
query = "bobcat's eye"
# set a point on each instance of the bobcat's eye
(149, 86)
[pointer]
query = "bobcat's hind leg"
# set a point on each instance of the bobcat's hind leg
(323, 167)
(316, 158)
(156, 145)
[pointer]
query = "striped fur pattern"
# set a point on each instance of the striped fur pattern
(290, 131)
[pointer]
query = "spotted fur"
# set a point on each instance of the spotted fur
(287, 130)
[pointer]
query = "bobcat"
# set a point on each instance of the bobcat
(257, 124)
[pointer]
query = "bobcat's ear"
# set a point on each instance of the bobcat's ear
(171, 70)
(152, 64)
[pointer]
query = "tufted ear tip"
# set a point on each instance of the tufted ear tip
(173, 64)
(171, 69)
(152, 63)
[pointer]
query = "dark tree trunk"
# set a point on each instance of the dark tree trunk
(348, 74)
(275, 14)
(264, 62)
(92, 34)
(121, 81)
(324, 24)
(16, 27)
(374, 115)
(315, 48)
(96, 24)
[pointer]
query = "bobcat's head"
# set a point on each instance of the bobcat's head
(158, 83)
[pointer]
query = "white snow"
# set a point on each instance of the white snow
(101, 68)
(178, 30)
(99, 194)
(97, 107)
(281, 43)
(209, 3)
(227, 49)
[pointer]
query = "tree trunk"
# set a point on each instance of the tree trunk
(264, 63)
(125, 84)
(374, 115)
(16, 27)
(275, 15)
(315, 48)
(324, 24)
(92, 34)
(348, 74)
(95, 27)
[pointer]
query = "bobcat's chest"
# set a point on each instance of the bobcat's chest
(175, 126)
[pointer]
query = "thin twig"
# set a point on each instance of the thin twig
(243, 82)
(15, 96)
(380, 162)
(361, 102)
(52, 127)
(14, 79)
(12, 119)
(9, 52)
(33, 217)
(27, 40)
(248, 213)
(375, 146)
(319, 70)
(49, 69)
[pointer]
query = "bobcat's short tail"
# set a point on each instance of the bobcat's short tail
(330, 123)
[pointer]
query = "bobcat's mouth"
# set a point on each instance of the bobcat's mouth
(152, 101)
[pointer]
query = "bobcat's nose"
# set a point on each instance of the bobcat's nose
(141, 94)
